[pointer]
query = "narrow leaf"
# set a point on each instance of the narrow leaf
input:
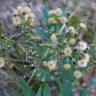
(27, 91)
(46, 90)
(39, 93)
(59, 87)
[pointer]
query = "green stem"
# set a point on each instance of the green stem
(33, 73)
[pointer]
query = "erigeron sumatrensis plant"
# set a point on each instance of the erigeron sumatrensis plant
(50, 53)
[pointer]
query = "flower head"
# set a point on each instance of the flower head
(72, 30)
(24, 15)
(27, 10)
(63, 20)
(72, 41)
(77, 74)
(83, 26)
(82, 45)
(87, 56)
(82, 63)
(58, 12)
(16, 20)
(19, 10)
(67, 66)
(53, 38)
(68, 51)
(52, 64)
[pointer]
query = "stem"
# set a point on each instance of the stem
(62, 28)
(33, 73)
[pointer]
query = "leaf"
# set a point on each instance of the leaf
(74, 21)
(59, 87)
(20, 50)
(46, 90)
(39, 93)
(27, 91)
(44, 75)
(41, 50)
(67, 87)
(46, 9)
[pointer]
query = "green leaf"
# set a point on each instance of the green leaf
(59, 87)
(74, 20)
(46, 9)
(41, 50)
(39, 93)
(67, 87)
(27, 91)
(46, 90)
(44, 74)
(20, 50)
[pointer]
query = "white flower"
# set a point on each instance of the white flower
(82, 63)
(63, 20)
(72, 30)
(68, 51)
(26, 17)
(82, 45)
(77, 74)
(27, 10)
(19, 10)
(72, 41)
(32, 15)
(2, 62)
(53, 38)
(52, 64)
(87, 56)
(58, 12)
(16, 20)
(51, 12)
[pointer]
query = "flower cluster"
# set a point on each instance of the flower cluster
(55, 17)
(23, 15)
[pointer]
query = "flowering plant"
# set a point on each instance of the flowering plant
(49, 51)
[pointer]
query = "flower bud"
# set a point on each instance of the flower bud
(83, 26)
(67, 66)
